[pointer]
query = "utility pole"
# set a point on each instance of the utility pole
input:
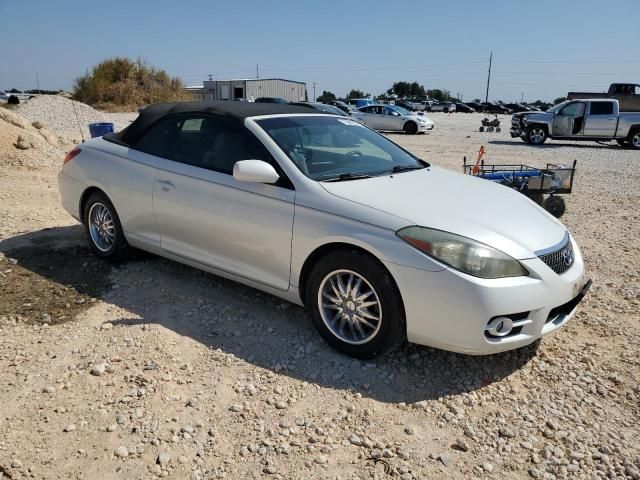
(210, 76)
(38, 82)
(486, 98)
(314, 91)
(521, 97)
(257, 71)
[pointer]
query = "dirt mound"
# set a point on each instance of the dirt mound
(62, 115)
(26, 145)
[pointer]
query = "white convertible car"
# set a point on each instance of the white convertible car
(392, 118)
(322, 211)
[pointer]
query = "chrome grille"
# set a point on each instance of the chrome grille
(559, 260)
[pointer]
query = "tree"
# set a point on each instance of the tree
(326, 96)
(559, 100)
(406, 89)
(441, 95)
(357, 94)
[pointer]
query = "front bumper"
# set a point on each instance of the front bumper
(451, 310)
(425, 127)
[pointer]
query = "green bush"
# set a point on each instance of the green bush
(120, 84)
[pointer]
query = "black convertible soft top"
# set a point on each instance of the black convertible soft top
(233, 111)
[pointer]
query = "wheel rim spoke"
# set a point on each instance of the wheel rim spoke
(349, 307)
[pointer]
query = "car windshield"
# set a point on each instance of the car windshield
(400, 110)
(557, 108)
(328, 148)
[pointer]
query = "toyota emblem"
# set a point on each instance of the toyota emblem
(567, 257)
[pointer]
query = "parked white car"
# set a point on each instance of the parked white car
(4, 96)
(319, 210)
(393, 118)
(445, 107)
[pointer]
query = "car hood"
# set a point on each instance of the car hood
(533, 116)
(473, 207)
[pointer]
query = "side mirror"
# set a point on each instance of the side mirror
(254, 171)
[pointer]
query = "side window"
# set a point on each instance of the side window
(201, 141)
(573, 109)
(158, 140)
(602, 108)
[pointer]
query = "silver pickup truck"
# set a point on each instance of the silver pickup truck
(591, 119)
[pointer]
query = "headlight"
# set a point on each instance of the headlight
(462, 253)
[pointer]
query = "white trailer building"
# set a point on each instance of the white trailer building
(252, 88)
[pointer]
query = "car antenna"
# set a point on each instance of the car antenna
(73, 105)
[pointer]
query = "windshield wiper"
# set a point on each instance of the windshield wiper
(346, 176)
(406, 168)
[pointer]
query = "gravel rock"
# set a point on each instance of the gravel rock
(163, 458)
(121, 452)
(98, 370)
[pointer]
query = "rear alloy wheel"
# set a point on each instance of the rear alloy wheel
(103, 228)
(355, 304)
(410, 128)
(537, 135)
(634, 140)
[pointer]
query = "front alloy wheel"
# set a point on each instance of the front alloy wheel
(355, 304)
(350, 307)
(537, 135)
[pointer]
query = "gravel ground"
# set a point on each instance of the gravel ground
(151, 368)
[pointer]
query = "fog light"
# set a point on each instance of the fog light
(500, 326)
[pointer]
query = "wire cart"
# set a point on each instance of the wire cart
(533, 182)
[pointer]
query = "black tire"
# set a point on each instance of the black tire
(555, 206)
(391, 331)
(536, 197)
(429, 109)
(537, 135)
(119, 249)
(498, 129)
(634, 139)
(524, 138)
(481, 129)
(445, 110)
(622, 143)
(410, 128)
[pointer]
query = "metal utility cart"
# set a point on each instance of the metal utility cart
(533, 182)
(490, 125)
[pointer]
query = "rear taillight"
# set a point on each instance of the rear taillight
(71, 154)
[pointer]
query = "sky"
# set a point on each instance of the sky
(541, 49)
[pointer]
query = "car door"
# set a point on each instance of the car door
(205, 215)
(391, 119)
(601, 119)
(569, 121)
(371, 116)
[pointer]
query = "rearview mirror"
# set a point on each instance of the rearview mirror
(254, 171)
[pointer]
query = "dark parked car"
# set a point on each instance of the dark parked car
(341, 105)
(475, 105)
(270, 100)
(516, 107)
(322, 107)
(464, 108)
(491, 107)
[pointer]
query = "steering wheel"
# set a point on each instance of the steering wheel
(353, 154)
